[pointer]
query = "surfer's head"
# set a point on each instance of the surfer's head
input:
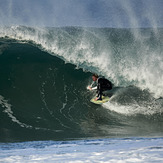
(94, 77)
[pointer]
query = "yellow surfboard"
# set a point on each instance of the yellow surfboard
(104, 99)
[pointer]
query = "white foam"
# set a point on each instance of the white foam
(103, 150)
(132, 109)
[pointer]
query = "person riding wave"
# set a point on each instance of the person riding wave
(102, 85)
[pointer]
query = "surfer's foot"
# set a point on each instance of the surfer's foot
(98, 98)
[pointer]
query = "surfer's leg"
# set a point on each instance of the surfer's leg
(99, 95)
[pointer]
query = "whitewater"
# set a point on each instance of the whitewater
(100, 150)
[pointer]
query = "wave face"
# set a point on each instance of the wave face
(45, 72)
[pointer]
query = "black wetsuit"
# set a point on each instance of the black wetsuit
(103, 85)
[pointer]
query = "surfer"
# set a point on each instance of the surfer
(102, 85)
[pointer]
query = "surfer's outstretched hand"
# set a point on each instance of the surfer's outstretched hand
(89, 88)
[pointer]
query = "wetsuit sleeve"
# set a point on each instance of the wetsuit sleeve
(93, 86)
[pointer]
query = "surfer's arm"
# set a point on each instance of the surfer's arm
(92, 86)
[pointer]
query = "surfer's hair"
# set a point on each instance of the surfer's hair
(95, 75)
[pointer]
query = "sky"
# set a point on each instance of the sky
(90, 13)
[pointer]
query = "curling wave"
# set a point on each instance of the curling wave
(44, 97)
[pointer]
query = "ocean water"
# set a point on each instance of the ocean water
(99, 150)
(45, 109)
